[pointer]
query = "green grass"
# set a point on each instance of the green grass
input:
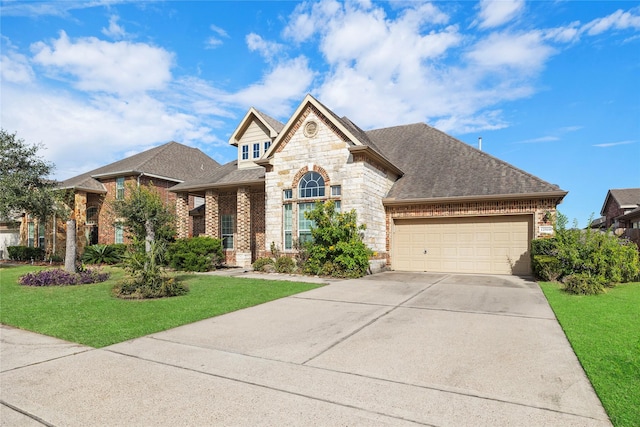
(90, 315)
(604, 331)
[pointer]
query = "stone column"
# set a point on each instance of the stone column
(211, 214)
(80, 215)
(243, 228)
(182, 215)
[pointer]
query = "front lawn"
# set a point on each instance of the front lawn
(90, 315)
(604, 331)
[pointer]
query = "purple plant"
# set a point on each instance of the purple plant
(59, 277)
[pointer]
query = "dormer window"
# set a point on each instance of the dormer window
(245, 152)
(256, 151)
(267, 144)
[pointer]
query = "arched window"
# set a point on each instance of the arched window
(311, 185)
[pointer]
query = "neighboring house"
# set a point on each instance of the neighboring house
(621, 213)
(162, 167)
(618, 209)
(9, 235)
(430, 202)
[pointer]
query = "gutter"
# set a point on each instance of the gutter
(433, 200)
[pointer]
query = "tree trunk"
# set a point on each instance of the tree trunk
(150, 236)
(71, 250)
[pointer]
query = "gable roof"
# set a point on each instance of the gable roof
(438, 166)
(626, 198)
(273, 126)
(171, 161)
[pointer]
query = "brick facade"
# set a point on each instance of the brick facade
(543, 210)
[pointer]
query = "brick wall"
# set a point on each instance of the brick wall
(541, 209)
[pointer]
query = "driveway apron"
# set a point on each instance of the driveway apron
(389, 349)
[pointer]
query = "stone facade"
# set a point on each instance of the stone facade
(362, 184)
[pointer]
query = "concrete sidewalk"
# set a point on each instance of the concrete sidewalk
(389, 349)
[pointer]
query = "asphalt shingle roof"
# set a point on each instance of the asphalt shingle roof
(437, 165)
(626, 196)
(274, 123)
(227, 174)
(171, 160)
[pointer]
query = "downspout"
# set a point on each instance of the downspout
(54, 227)
(138, 179)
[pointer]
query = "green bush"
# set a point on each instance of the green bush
(546, 267)
(337, 248)
(25, 253)
(195, 254)
(584, 284)
(261, 263)
(103, 254)
(285, 265)
(147, 277)
(593, 259)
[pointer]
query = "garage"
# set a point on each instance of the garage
(489, 244)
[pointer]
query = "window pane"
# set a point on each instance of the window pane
(120, 188)
(288, 194)
(227, 224)
(287, 221)
(304, 224)
(92, 215)
(336, 190)
(41, 236)
(267, 144)
(119, 232)
(30, 237)
(245, 152)
(311, 185)
(256, 150)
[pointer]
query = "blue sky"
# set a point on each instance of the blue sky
(553, 87)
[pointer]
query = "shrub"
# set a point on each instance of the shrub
(285, 265)
(261, 263)
(148, 280)
(591, 253)
(25, 253)
(337, 248)
(59, 277)
(195, 254)
(546, 267)
(584, 284)
(103, 254)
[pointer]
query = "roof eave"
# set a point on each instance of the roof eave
(226, 185)
(85, 189)
(559, 195)
(368, 151)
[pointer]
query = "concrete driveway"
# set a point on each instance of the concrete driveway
(390, 349)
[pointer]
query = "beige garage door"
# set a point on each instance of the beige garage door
(492, 244)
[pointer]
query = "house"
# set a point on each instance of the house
(90, 193)
(430, 202)
(621, 212)
(9, 235)
(618, 208)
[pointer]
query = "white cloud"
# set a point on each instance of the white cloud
(97, 65)
(494, 13)
(114, 30)
(524, 52)
(266, 49)
(15, 68)
(613, 144)
(214, 41)
(274, 94)
(618, 20)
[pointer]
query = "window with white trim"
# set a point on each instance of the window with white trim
(256, 150)
(227, 228)
(336, 190)
(311, 185)
(245, 152)
(119, 232)
(41, 235)
(288, 225)
(287, 194)
(267, 144)
(31, 230)
(304, 224)
(120, 188)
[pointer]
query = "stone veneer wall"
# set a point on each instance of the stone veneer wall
(542, 209)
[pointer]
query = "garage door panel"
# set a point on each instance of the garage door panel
(497, 245)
